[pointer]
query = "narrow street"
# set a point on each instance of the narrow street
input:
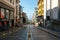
(29, 19)
(34, 34)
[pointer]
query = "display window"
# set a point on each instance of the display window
(2, 13)
(7, 14)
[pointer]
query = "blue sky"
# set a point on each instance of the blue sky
(29, 6)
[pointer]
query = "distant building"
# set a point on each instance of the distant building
(35, 15)
(20, 13)
(24, 17)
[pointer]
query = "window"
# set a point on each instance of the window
(7, 14)
(59, 14)
(48, 17)
(12, 1)
(11, 15)
(8, 0)
(2, 13)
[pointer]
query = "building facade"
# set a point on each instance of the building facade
(20, 13)
(17, 10)
(40, 7)
(8, 12)
(24, 18)
(40, 11)
(34, 17)
(52, 12)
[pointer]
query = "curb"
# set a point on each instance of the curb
(46, 30)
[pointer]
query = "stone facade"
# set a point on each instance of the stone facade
(10, 6)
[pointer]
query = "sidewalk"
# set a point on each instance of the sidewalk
(57, 34)
(5, 33)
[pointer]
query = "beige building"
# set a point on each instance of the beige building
(9, 9)
(17, 9)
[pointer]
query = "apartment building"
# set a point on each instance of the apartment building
(52, 12)
(40, 7)
(8, 11)
(17, 10)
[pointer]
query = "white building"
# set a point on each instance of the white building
(51, 8)
(52, 11)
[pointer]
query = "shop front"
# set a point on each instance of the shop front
(6, 16)
(40, 20)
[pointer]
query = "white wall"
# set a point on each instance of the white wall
(48, 4)
(48, 7)
(54, 12)
(54, 5)
(45, 9)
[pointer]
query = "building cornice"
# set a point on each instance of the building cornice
(7, 3)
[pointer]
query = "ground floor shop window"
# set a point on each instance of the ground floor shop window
(7, 14)
(2, 13)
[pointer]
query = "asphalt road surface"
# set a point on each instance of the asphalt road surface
(35, 33)
(19, 35)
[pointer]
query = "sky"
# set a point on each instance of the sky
(29, 7)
